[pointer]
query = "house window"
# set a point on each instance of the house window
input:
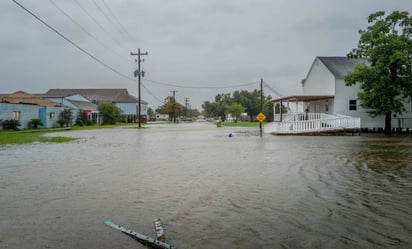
(352, 105)
(16, 115)
(326, 106)
(52, 115)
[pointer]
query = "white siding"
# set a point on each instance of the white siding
(343, 94)
(320, 81)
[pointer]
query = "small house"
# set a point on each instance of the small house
(24, 107)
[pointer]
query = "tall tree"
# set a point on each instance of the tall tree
(235, 110)
(249, 100)
(386, 81)
(220, 104)
(171, 107)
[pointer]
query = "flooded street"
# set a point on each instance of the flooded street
(210, 190)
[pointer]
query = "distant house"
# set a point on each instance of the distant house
(24, 107)
(88, 108)
(120, 97)
(76, 103)
(328, 102)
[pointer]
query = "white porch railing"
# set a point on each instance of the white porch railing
(311, 122)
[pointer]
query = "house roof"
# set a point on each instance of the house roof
(340, 66)
(100, 95)
(21, 97)
(303, 98)
(83, 105)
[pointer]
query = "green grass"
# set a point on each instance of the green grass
(30, 137)
(93, 127)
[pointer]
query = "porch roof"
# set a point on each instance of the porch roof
(304, 98)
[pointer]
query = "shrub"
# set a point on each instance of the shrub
(79, 122)
(35, 123)
(11, 124)
(62, 122)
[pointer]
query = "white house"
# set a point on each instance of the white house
(329, 104)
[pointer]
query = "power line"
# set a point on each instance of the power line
(73, 43)
(273, 90)
(199, 87)
(96, 22)
(107, 17)
(84, 30)
(118, 22)
(150, 93)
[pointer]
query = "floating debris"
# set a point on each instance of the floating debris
(154, 243)
(160, 233)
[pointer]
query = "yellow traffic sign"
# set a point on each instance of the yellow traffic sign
(261, 117)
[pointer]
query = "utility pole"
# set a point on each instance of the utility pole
(174, 105)
(186, 105)
(139, 73)
(261, 104)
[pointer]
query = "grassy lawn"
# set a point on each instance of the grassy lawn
(242, 124)
(30, 137)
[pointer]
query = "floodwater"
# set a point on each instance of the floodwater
(209, 189)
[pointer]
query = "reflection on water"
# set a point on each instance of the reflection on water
(210, 190)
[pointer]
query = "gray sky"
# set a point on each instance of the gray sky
(196, 43)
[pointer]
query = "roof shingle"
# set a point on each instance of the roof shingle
(100, 95)
(340, 66)
(21, 97)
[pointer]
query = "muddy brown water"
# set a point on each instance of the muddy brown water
(209, 189)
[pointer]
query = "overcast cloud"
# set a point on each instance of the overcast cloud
(194, 43)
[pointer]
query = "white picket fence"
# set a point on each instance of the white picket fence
(311, 122)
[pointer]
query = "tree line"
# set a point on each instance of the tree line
(236, 104)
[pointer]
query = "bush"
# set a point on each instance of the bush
(11, 124)
(62, 122)
(110, 113)
(79, 122)
(35, 123)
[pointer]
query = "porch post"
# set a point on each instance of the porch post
(296, 107)
(280, 107)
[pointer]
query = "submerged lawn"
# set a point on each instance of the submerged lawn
(30, 137)
(242, 124)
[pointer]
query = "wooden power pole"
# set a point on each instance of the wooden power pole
(139, 74)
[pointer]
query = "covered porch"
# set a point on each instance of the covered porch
(293, 116)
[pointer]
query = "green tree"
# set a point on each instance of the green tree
(151, 114)
(249, 100)
(268, 108)
(209, 109)
(110, 113)
(35, 123)
(217, 109)
(221, 102)
(235, 110)
(386, 81)
(171, 107)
